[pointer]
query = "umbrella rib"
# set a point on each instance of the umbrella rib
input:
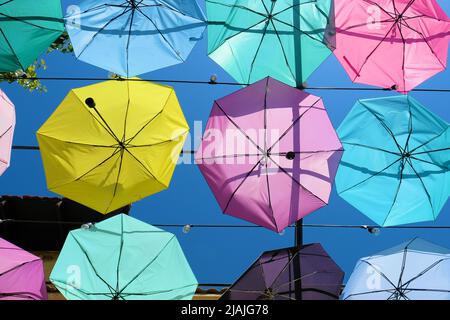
(274, 221)
(235, 6)
(432, 163)
(225, 156)
(291, 259)
(399, 26)
(286, 60)
(117, 179)
(402, 269)
(143, 166)
(148, 265)
(295, 122)
(162, 35)
(426, 41)
(297, 5)
(120, 254)
(432, 151)
(91, 264)
(370, 147)
(236, 34)
(429, 141)
(7, 130)
(32, 24)
(372, 176)
(384, 125)
(381, 274)
(126, 10)
(81, 143)
(157, 143)
(12, 49)
(367, 293)
(116, 151)
(402, 169)
(424, 187)
(17, 267)
(257, 50)
(301, 31)
(296, 181)
(128, 141)
(406, 284)
(240, 184)
(151, 293)
(239, 128)
(61, 288)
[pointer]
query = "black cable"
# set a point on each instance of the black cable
(211, 82)
(219, 226)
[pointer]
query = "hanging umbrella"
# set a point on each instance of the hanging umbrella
(131, 37)
(414, 270)
(396, 164)
(27, 28)
(269, 154)
(7, 124)
(21, 274)
(394, 44)
(290, 274)
(113, 143)
(123, 259)
(286, 40)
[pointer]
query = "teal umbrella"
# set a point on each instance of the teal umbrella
(123, 259)
(396, 164)
(27, 28)
(285, 39)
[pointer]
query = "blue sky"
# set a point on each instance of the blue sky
(217, 256)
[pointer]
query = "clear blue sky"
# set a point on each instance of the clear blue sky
(217, 255)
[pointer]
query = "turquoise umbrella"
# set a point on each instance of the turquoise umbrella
(123, 259)
(396, 164)
(27, 28)
(285, 39)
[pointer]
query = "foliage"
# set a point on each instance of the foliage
(28, 78)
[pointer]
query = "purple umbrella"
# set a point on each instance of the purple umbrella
(290, 274)
(21, 274)
(270, 154)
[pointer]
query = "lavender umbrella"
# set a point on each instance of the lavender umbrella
(21, 274)
(270, 154)
(290, 274)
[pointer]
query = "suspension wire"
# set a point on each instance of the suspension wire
(211, 82)
(225, 226)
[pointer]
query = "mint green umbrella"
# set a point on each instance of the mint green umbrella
(123, 259)
(27, 28)
(284, 39)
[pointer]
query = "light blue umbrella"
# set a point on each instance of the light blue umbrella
(396, 164)
(123, 259)
(414, 270)
(132, 37)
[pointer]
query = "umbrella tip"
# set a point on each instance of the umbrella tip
(90, 103)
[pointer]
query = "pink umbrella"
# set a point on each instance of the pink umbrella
(21, 274)
(7, 123)
(394, 44)
(269, 154)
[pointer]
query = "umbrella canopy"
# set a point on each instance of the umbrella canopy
(269, 154)
(391, 43)
(113, 143)
(27, 28)
(285, 39)
(123, 259)
(396, 164)
(21, 274)
(131, 37)
(414, 270)
(7, 124)
(290, 274)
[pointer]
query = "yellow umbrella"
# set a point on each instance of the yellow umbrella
(113, 143)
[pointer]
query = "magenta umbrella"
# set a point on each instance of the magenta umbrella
(7, 123)
(391, 43)
(269, 154)
(21, 274)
